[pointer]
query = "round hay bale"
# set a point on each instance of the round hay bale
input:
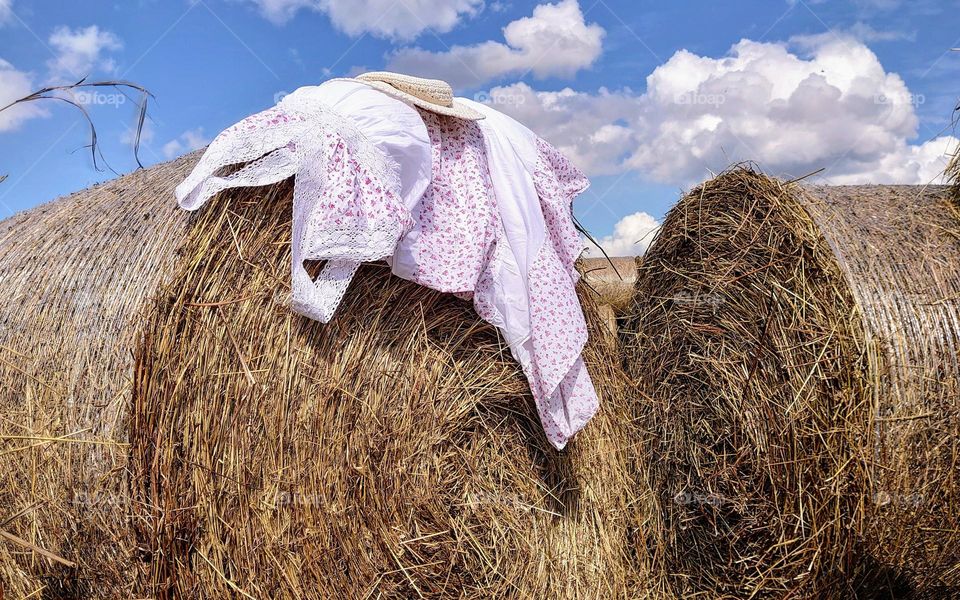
(169, 429)
(797, 351)
(393, 452)
(610, 282)
(75, 275)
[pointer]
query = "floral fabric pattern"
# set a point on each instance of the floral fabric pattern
(455, 220)
(558, 182)
(457, 243)
(347, 205)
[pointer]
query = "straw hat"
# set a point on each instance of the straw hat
(429, 94)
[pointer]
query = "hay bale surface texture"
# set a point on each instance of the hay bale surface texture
(75, 276)
(797, 351)
(611, 282)
(170, 429)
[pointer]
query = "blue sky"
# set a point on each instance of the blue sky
(647, 97)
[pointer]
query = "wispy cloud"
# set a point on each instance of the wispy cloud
(79, 52)
(15, 84)
(6, 11)
(188, 141)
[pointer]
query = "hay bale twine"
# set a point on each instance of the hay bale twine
(170, 429)
(797, 351)
(75, 275)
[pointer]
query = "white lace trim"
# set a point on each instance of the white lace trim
(318, 299)
(286, 140)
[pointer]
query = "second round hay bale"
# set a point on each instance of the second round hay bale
(611, 283)
(797, 349)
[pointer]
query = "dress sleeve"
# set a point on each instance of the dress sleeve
(348, 203)
(263, 146)
(347, 207)
(347, 210)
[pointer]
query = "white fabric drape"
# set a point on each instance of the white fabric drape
(385, 136)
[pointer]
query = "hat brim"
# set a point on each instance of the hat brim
(458, 109)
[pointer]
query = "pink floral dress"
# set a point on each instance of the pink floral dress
(458, 244)
(373, 179)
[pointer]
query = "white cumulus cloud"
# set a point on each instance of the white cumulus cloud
(555, 40)
(188, 141)
(820, 102)
(594, 130)
(631, 236)
(393, 19)
(81, 51)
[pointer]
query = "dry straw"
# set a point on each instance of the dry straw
(613, 280)
(797, 353)
(169, 429)
(953, 174)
